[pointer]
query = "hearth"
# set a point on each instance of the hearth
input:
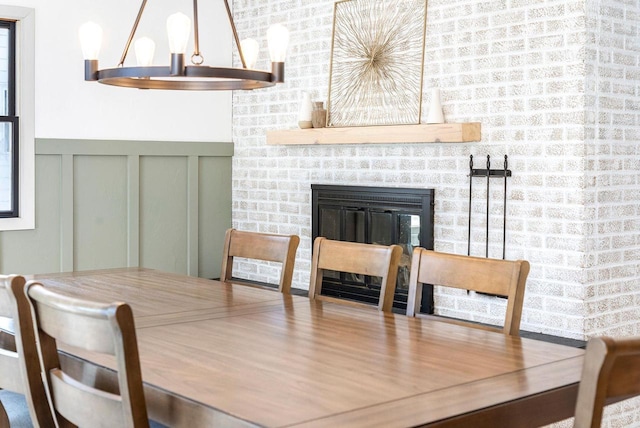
(378, 215)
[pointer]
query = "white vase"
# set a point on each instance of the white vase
(435, 114)
(305, 111)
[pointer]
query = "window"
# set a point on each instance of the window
(17, 112)
(9, 128)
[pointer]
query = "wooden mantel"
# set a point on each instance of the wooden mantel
(438, 133)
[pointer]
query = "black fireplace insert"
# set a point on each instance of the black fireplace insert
(374, 215)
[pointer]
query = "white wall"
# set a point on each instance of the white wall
(72, 112)
(68, 107)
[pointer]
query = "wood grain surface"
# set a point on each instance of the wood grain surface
(214, 351)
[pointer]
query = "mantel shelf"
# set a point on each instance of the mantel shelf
(437, 133)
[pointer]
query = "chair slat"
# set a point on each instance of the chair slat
(10, 374)
(261, 246)
(6, 307)
(486, 275)
(79, 404)
(63, 326)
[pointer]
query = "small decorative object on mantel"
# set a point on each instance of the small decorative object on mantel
(377, 60)
(319, 115)
(435, 114)
(305, 111)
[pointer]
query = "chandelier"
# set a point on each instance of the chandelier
(177, 75)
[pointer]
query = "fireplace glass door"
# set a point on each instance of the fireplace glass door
(382, 216)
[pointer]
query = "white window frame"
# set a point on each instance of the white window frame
(25, 109)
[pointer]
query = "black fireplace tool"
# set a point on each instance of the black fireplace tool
(489, 173)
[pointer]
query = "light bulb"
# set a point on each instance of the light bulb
(278, 37)
(250, 52)
(90, 35)
(178, 29)
(145, 48)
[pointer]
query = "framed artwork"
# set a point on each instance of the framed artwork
(377, 62)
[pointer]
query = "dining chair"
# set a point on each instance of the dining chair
(18, 353)
(260, 246)
(491, 276)
(97, 327)
(357, 258)
(611, 369)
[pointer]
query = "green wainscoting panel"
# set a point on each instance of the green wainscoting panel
(100, 212)
(66, 213)
(38, 250)
(215, 178)
(163, 213)
(101, 204)
(133, 211)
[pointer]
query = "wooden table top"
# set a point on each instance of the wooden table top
(216, 352)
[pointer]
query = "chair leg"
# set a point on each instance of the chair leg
(4, 418)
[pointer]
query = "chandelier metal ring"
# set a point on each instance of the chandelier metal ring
(159, 77)
(177, 75)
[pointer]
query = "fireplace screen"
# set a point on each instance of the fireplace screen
(375, 215)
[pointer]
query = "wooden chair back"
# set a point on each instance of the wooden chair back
(611, 370)
(19, 361)
(501, 277)
(97, 327)
(260, 246)
(10, 373)
(352, 257)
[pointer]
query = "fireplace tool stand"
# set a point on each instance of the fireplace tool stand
(488, 174)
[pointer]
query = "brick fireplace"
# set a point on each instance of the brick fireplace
(555, 86)
(529, 72)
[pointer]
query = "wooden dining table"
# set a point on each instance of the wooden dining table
(223, 354)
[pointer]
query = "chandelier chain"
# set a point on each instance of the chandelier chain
(132, 34)
(235, 34)
(196, 33)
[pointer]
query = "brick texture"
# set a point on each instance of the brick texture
(555, 85)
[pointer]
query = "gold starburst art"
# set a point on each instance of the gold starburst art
(377, 59)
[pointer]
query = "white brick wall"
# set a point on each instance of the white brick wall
(612, 171)
(555, 85)
(612, 168)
